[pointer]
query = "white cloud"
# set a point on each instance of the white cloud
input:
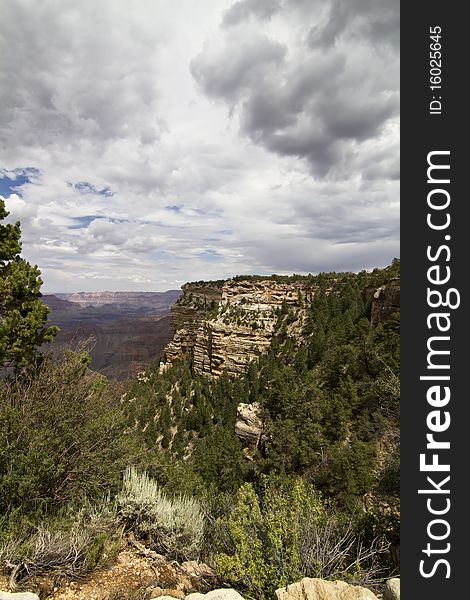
(255, 136)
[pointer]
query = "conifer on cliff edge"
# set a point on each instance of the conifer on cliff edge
(23, 316)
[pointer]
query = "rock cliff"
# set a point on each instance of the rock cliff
(188, 315)
(225, 325)
(385, 301)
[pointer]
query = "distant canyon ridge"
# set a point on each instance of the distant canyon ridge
(130, 329)
(219, 325)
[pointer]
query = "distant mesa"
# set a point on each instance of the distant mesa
(130, 329)
(129, 299)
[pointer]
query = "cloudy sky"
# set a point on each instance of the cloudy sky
(147, 143)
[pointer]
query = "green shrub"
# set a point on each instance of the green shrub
(61, 438)
(264, 531)
(283, 531)
(172, 526)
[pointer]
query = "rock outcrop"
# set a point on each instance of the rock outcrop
(102, 585)
(319, 589)
(392, 589)
(249, 426)
(225, 325)
(188, 316)
(385, 302)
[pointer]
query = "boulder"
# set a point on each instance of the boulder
(249, 426)
(392, 589)
(385, 302)
(18, 596)
(227, 594)
(319, 589)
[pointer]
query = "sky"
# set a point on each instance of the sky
(148, 143)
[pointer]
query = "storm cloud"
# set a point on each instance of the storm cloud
(316, 90)
(145, 145)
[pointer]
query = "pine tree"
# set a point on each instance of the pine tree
(23, 316)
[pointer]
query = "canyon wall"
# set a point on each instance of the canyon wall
(224, 325)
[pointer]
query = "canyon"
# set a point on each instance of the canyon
(220, 325)
(126, 331)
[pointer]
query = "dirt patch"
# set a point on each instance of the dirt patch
(127, 579)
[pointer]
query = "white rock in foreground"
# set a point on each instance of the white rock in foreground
(319, 589)
(392, 589)
(18, 596)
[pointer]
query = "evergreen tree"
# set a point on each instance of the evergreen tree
(23, 316)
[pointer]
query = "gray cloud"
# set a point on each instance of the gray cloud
(374, 21)
(244, 9)
(70, 73)
(173, 141)
(321, 97)
(239, 70)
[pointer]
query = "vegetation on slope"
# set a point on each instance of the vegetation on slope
(319, 497)
(330, 403)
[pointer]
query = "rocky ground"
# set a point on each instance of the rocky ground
(135, 576)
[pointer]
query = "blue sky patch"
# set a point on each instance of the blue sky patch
(11, 181)
(83, 222)
(85, 187)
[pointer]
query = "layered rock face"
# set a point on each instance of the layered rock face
(385, 302)
(225, 325)
(188, 316)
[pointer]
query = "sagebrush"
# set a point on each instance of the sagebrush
(173, 526)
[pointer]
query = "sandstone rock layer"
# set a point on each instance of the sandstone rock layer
(224, 326)
(319, 589)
